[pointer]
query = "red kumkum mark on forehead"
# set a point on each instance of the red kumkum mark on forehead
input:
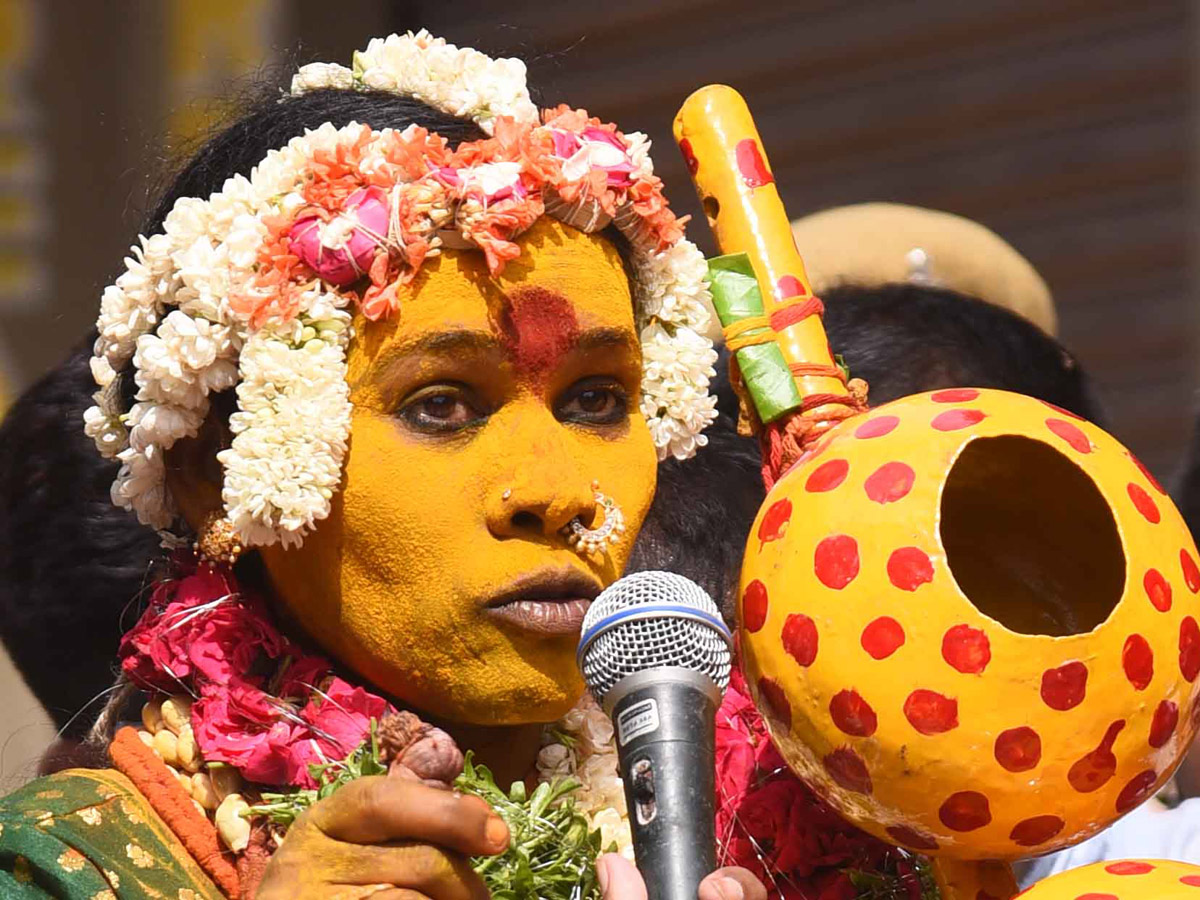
(539, 328)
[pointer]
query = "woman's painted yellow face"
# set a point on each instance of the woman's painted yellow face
(483, 412)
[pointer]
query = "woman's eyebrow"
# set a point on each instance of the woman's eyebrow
(603, 338)
(471, 341)
(451, 342)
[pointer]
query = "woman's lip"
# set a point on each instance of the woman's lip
(555, 617)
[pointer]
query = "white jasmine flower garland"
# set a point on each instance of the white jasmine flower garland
(219, 299)
(461, 81)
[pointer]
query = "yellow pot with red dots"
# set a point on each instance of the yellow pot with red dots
(971, 621)
(1127, 879)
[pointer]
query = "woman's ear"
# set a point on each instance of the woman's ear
(194, 476)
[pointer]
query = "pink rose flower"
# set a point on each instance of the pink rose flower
(341, 721)
(238, 724)
(341, 247)
(302, 676)
(155, 652)
(198, 627)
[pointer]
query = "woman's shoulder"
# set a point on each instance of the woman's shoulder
(91, 833)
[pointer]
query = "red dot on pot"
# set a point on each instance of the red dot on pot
(1072, 434)
(835, 561)
(754, 606)
(1064, 687)
(800, 638)
(909, 567)
(882, 637)
(1157, 589)
(1162, 726)
(827, 476)
(890, 482)
(930, 712)
(954, 419)
(966, 649)
(954, 395)
(847, 769)
(1036, 830)
(852, 714)
(965, 811)
(877, 427)
(1018, 749)
(1144, 503)
(1138, 661)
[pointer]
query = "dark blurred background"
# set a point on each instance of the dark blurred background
(1066, 125)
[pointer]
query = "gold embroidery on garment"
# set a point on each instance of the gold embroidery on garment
(188, 894)
(114, 879)
(132, 813)
(21, 871)
(140, 857)
(105, 894)
(90, 815)
(49, 795)
(71, 860)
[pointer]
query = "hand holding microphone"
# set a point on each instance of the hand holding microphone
(620, 880)
(655, 654)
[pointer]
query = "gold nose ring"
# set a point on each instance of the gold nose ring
(591, 540)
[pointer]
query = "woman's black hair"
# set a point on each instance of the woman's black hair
(71, 563)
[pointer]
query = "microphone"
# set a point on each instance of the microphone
(655, 654)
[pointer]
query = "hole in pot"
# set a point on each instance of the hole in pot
(711, 209)
(1029, 538)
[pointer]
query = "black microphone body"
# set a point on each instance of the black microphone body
(664, 719)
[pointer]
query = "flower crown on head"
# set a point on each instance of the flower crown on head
(254, 286)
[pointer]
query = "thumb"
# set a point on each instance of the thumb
(619, 878)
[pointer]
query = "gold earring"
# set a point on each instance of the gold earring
(217, 541)
(590, 540)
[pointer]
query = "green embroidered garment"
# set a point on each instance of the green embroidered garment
(89, 834)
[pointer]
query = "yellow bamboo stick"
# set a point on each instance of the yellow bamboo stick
(716, 134)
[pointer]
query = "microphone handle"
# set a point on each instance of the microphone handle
(665, 723)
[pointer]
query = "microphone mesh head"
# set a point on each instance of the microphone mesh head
(675, 633)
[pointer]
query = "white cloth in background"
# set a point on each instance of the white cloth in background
(1152, 831)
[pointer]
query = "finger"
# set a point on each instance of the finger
(422, 868)
(619, 878)
(375, 810)
(732, 884)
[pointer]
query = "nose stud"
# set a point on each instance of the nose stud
(591, 540)
(507, 495)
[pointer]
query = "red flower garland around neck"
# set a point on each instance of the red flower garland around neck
(262, 704)
(268, 708)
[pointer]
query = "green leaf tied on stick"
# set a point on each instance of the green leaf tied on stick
(736, 297)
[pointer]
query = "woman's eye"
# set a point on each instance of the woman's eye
(440, 409)
(594, 404)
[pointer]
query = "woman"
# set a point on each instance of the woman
(423, 368)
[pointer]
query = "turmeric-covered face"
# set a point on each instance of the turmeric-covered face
(483, 412)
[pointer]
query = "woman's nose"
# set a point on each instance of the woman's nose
(540, 500)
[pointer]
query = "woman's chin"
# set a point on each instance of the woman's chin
(538, 700)
(517, 690)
